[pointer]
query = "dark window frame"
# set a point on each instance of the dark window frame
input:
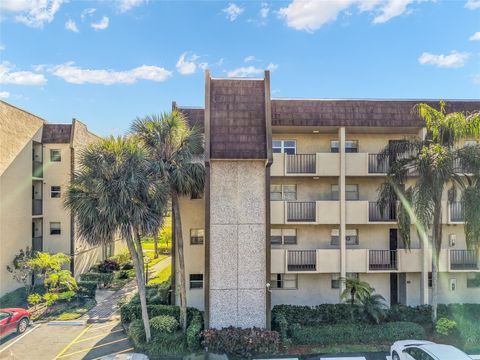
(55, 194)
(195, 283)
(57, 157)
(197, 239)
(277, 281)
(55, 231)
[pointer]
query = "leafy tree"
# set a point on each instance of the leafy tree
(118, 191)
(355, 290)
(176, 150)
(438, 163)
(21, 271)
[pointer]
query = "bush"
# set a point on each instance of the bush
(469, 334)
(321, 314)
(126, 266)
(193, 332)
(122, 275)
(103, 279)
(241, 343)
(136, 332)
(108, 266)
(34, 299)
(280, 324)
(87, 288)
(445, 326)
(418, 314)
(164, 324)
(356, 333)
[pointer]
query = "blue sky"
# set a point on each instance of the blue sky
(107, 62)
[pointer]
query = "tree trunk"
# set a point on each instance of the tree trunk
(436, 247)
(181, 261)
(155, 247)
(138, 264)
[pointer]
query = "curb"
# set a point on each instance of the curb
(68, 322)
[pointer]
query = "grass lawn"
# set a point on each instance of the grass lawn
(161, 276)
(155, 261)
(336, 349)
(63, 310)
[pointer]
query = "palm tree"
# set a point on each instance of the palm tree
(373, 307)
(355, 290)
(434, 160)
(116, 191)
(176, 149)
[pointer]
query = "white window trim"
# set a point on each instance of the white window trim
(283, 147)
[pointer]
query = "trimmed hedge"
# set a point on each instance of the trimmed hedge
(240, 343)
(87, 288)
(103, 279)
(156, 295)
(193, 332)
(418, 314)
(320, 314)
(356, 333)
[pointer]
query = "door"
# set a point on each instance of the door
(393, 289)
(393, 246)
(7, 325)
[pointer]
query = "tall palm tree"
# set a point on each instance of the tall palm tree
(116, 191)
(176, 149)
(436, 162)
(355, 290)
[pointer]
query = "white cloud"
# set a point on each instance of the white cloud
(76, 75)
(453, 60)
(87, 12)
(249, 58)
(233, 11)
(2, 47)
(203, 66)
(186, 66)
(71, 25)
(475, 37)
(310, 15)
(102, 24)
(126, 5)
(4, 94)
(473, 4)
(272, 67)
(7, 76)
(33, 13)
(264, 10)
(244, 71)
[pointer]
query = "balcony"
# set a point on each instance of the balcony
(37, 169)
(377, 164)
(382, 260)
(375, 213)
(36, 206)
(456, 211)
(37, 243)
(301, 164)
(463, 260)
(301, 211)
(302, 260)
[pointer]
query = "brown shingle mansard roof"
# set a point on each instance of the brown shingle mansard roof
(316, 112)
(56, 133)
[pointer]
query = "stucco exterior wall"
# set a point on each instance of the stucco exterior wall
(237, 244)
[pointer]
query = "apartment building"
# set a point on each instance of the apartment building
(37, 160)
(290, 206)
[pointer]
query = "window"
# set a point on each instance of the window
(196, 236)
(351, 192)
(430, 281)
(283, 192)
(418, 354)
(283, 236)
(4, 315)
(55, 191)
(196, 281)
(55, 228)
(351, 146)
(283, 281)
(335, 282)
(351, 237)
(284, 146)
(473, 280)
(55, 155)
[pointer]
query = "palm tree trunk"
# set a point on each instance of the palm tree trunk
(436, 247)
(138, 264)
(155, 246)
(181, 261)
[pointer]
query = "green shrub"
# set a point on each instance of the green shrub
(103, 279)
(126, 266)
(418, 314)
(164, 324)
(34, 299)
(240, 343)
(66, 295)
(108, 266)
(445, 326)
(136, 332)
(193, 331)
(122, 275)
(469, 334)
(320, 314)
(87, 288)
(356, 333)
(280, 324)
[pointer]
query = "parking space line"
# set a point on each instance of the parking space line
(91, 348)
(72, 342)
(97, 336)
(20, 337)
(101, 327)
(119, 352)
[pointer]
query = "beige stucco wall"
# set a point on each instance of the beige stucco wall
(237, 244)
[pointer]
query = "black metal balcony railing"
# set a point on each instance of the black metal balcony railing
(389, 213)
(463, 260)
(377, 163)
(382, 259)
(37, 207)
(301, 211)
(301, 164)
(302, 260)
(37, 169)
(456, 211)
(37, 243)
